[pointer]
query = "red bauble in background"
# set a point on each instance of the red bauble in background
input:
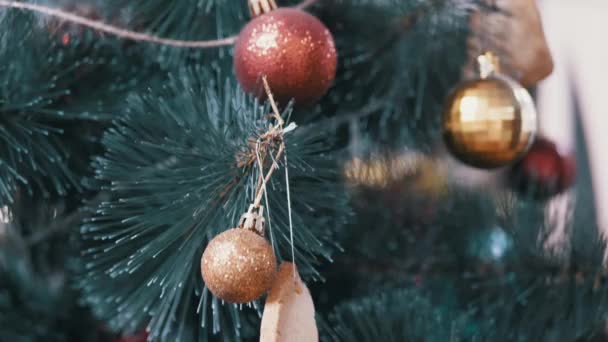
(141, 336)
(67, 32)
(293, 49)
(544, 171)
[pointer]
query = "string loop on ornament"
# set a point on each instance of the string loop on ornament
(261, 173)
(253, 219)
(274, 133)
(98, 25)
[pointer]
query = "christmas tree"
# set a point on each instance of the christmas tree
(206, 170)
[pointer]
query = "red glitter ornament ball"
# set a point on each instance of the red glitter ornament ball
(293, 49)
(544, 171)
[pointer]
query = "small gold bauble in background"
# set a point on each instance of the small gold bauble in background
(397, 170)
(489, 122)
(238, 266)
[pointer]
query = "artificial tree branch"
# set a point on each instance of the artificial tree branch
(64, 224)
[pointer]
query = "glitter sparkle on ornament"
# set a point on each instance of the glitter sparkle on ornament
(266, 41)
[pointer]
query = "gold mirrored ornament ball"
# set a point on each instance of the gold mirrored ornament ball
(489, 122)
(238, 265)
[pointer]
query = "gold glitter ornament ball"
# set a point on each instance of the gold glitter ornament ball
(489, 122)
(293, 49)
(238, 266)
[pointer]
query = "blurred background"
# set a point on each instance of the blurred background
(576, 91)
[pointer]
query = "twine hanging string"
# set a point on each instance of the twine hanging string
(275, 133)
(261, 182)
(100, 26)
(293, 252)
(486, 32)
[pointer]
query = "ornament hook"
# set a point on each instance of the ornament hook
(259, 7)
(489, 64)
(253, 220)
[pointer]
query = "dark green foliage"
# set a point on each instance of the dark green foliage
(171, 167)
(36, 260)
(543, 306)
(183, 20)
(30, 139)
(53, 104)
(393, 63)
(398, 316)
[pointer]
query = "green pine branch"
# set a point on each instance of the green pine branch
(174, 166)
(397, 316)
(37, 300)
(55, 100)
(394, 53)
